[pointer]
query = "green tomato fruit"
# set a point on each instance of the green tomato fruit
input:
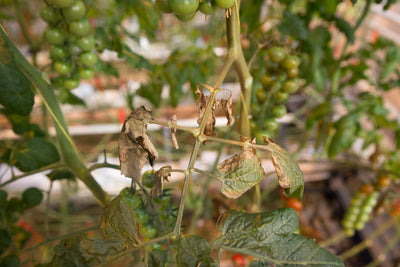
(58, 52)
(141, 216)
(88, 59)
(71, 83)
(75, 12)
(86, 73)
(270, 124)
(163, 6)
(276, 54)
(147, 231)
(291, 62)
(55, 36)
(184, 7)
(49, 14)
(261, 95)
(292, 73)
(279, 111)
(185, 17)
(290, 86)
(267, 79)
(281, 96)
(63, 3)
(85, 43)
(207, 7)
(62, 67)
(225, 3)
(80, 27)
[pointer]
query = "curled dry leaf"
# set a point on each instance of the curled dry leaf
(158, 180)
(289, 174)
(239, 173)
(172, 131)
(135, 147)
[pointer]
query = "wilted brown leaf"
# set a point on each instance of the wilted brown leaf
(135, 147)
(172, 131)
(158, 180)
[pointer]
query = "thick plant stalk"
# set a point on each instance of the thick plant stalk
(67, 147)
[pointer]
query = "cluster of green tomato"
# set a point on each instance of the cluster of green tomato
(185, 10)
(154, 217)
(278, 83)
(361, 206)
(69, 32)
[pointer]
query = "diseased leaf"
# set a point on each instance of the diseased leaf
(37, 153)
(201, 102)
(158, 258)
(192, 251)
(135, 147)
(269, 236)
(118, 222)
(289, 174)
(240, 173)
(81, 251)
(172, 132)
(158, 180)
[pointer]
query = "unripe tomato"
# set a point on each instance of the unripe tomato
(185, 17)
(62, 67)
(225, 3)
(384, 181)
(367, 189)
(58, 52)
(292, 73)
(55, 36)
(71, 83)
(271, 124)
(184, 7)
(86, 73)
(276, 54)
(267, 79)
(281, 96)
(291, 62)
(290, 86)
(63, 3)
(75, 12)
(80, 27)
(88, 59)
(85, 43)
(279, 111)
(295, 204)
(49, 14)
(261, 95)
(207, 7)
(163, 6)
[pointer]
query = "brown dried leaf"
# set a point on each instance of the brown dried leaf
(227, 107)
(158, 179)
(172, 131)
(202, 101)
(135, 147)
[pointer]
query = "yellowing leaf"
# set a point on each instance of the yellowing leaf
(135, 147)
(240, 173)
(289, 174)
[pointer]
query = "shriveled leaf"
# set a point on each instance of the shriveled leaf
(239, 173)
(225, 99)
(192, 251)
(202, 101)
(289, 174)
(172, 131)
(36, 154)
(269, 236)
(118, 222)
(135, 147)
(158, 180)
(81, 251)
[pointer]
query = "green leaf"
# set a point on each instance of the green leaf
(10, 260)
(240, 173)
(137, 61)
(81, 251)
(318, 113)
(5, 240)
(341, 140)
(269, 236)
(67, 97)
(345, 28)
(289, 174)
(193, 250)
(32, 197)
(60, 174)
(152, 92)
(261, 264)
(392, 61)
(37, 153)
(3, 197)
(293, 25)
(21, 124)
(118, 222)
(158, 258)
(250, 13)
(15, 88)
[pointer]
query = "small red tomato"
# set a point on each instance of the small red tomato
(294, 203)
(238, 260)
(384, 181)
(283, 195)
(367, 189)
